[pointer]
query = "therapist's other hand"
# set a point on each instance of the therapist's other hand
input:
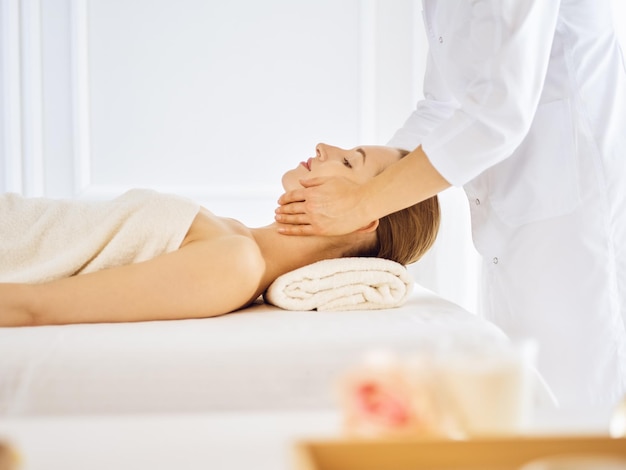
(325, 206)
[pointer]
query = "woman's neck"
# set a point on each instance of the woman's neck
(284, 253)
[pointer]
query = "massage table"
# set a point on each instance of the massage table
(261, 358)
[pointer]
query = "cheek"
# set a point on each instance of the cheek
(330, 169)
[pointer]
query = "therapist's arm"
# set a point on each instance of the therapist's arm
(336, 206)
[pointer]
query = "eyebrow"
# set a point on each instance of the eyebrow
(362, 152)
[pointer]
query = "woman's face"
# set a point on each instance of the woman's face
(358, 164)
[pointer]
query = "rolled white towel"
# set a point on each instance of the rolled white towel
(342, 284)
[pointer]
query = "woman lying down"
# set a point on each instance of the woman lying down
(152, 256)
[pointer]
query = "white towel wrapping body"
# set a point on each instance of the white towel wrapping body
(45, 239)
(342, 284)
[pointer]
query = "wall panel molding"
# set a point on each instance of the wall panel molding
(23, 147)
(31, 98)
(84, 184)
(81, 129)
(10, 111)
(83, 177)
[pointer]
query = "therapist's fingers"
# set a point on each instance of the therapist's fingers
(326, 206)
(291, 197)
(300, 195)
(291, 208)
(296, 229)
(295, 218)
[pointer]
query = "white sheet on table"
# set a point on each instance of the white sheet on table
(261, 358)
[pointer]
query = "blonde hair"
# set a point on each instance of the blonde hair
(405, 236)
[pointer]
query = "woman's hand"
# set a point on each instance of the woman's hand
(325, 206)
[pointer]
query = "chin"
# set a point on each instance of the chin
(287, 184)
(291, 180)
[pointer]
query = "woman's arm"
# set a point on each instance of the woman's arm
(202, 279)
(13, 310)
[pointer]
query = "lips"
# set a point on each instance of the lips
(307, 164)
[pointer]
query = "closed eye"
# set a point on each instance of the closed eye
(347, 163)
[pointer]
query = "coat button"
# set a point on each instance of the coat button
(477, 201)
(440, 39)
(495, 260)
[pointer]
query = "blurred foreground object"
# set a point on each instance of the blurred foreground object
(386, 397)
(475, 391)
(522, 452)
(618, 420)
(578, 462)
(9, 459)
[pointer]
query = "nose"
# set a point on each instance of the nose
(325, 151)
(320, 152)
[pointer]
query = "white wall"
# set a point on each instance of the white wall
(211, 99)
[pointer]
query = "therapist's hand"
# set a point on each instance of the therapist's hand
(325, 206)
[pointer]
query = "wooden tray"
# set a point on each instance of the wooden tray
(476, 454)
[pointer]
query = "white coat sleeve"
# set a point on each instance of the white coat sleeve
(493, 56)
(437, 106)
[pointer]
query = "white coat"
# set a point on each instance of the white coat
(525, 106)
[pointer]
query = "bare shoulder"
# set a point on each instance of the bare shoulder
(207, 226)
(228, 257)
